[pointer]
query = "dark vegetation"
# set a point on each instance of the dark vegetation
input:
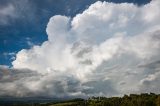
(144, 99)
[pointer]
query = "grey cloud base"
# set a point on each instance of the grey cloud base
(108, 50)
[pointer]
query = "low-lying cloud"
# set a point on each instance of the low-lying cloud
(109, 49)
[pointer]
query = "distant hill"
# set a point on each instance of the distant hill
(27, 101)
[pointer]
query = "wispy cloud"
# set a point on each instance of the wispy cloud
(6, 13)
(19, 9)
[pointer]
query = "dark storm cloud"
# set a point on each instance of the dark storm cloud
(100, 88)
(12, 81)
(152, 65)
(11, 75)
(25, 82)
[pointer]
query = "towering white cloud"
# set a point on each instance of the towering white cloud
(103, 51)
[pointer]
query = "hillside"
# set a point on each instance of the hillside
(144, 99)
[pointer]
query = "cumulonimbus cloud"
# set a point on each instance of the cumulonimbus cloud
(103, 51)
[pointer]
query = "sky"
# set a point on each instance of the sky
(25, 21)
(73, 48)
